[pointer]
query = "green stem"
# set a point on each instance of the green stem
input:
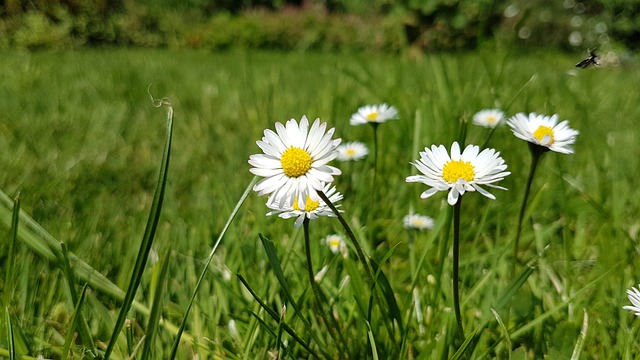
(312, 281)
(456, 256)
(536, 154)
(375, 153)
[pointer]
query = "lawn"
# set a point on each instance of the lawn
(82, 145)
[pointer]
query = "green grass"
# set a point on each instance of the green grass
(82, 145)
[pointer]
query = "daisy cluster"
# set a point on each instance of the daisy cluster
(294, 163)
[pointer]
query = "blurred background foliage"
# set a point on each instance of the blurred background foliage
(327, 25)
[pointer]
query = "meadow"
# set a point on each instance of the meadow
(82, 143)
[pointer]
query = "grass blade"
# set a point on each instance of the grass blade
(82, 325)
(274, 261)
(15, 219)
(276, 317)
(156, 307)
(577, 350)
(176, 342)
(75, 322)
(10, 340)
(149, 234)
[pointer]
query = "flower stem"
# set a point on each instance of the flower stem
(456, 256)
(536, 154)
(314, 285)
(375, 152)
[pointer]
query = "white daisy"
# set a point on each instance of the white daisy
(337, 244)
(307, 207)
(634, 297)
(374, 114)
(489, 118)
(460, 172)
(294, 160)
(352, 151)
(417, 222)
(544, 131)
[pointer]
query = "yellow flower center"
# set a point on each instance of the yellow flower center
(543, 131)
(295, 162)
(334, 243)
(457, 169)
(372, 116)
(350, 152)
(309, 205)
(491, 119)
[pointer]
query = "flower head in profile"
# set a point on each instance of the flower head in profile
(417, 222)
(544, 131)
(353, 150)
(634, 297)
(460, 172)
(374, 114)
(294, 161)
(489, 118)
(301, 208)
(337, 244)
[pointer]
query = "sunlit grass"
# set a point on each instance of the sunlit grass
(82, 143)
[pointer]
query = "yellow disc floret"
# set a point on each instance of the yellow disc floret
(373, 116)
(295, 162)
(543, 131)
(309, 205)
(457, 169)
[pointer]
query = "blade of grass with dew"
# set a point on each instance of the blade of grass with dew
(149, 233)
(74, 322)
(276, 317)
(234, 212)
(156, 307)
(274, 261)
(10, 338)
(15, 220)
(82, 325)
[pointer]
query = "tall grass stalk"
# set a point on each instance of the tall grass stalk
(149, 233)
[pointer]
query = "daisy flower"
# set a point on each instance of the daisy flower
(460, 172)
(544, 131)
(294, 160)
(489, 118)
(417, 222)
(634, 297)
(301, 208)
(375, 114)
(336, 244)
(352, 151)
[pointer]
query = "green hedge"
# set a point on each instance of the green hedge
(377, 25)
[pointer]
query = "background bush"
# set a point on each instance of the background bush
(379, 25)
